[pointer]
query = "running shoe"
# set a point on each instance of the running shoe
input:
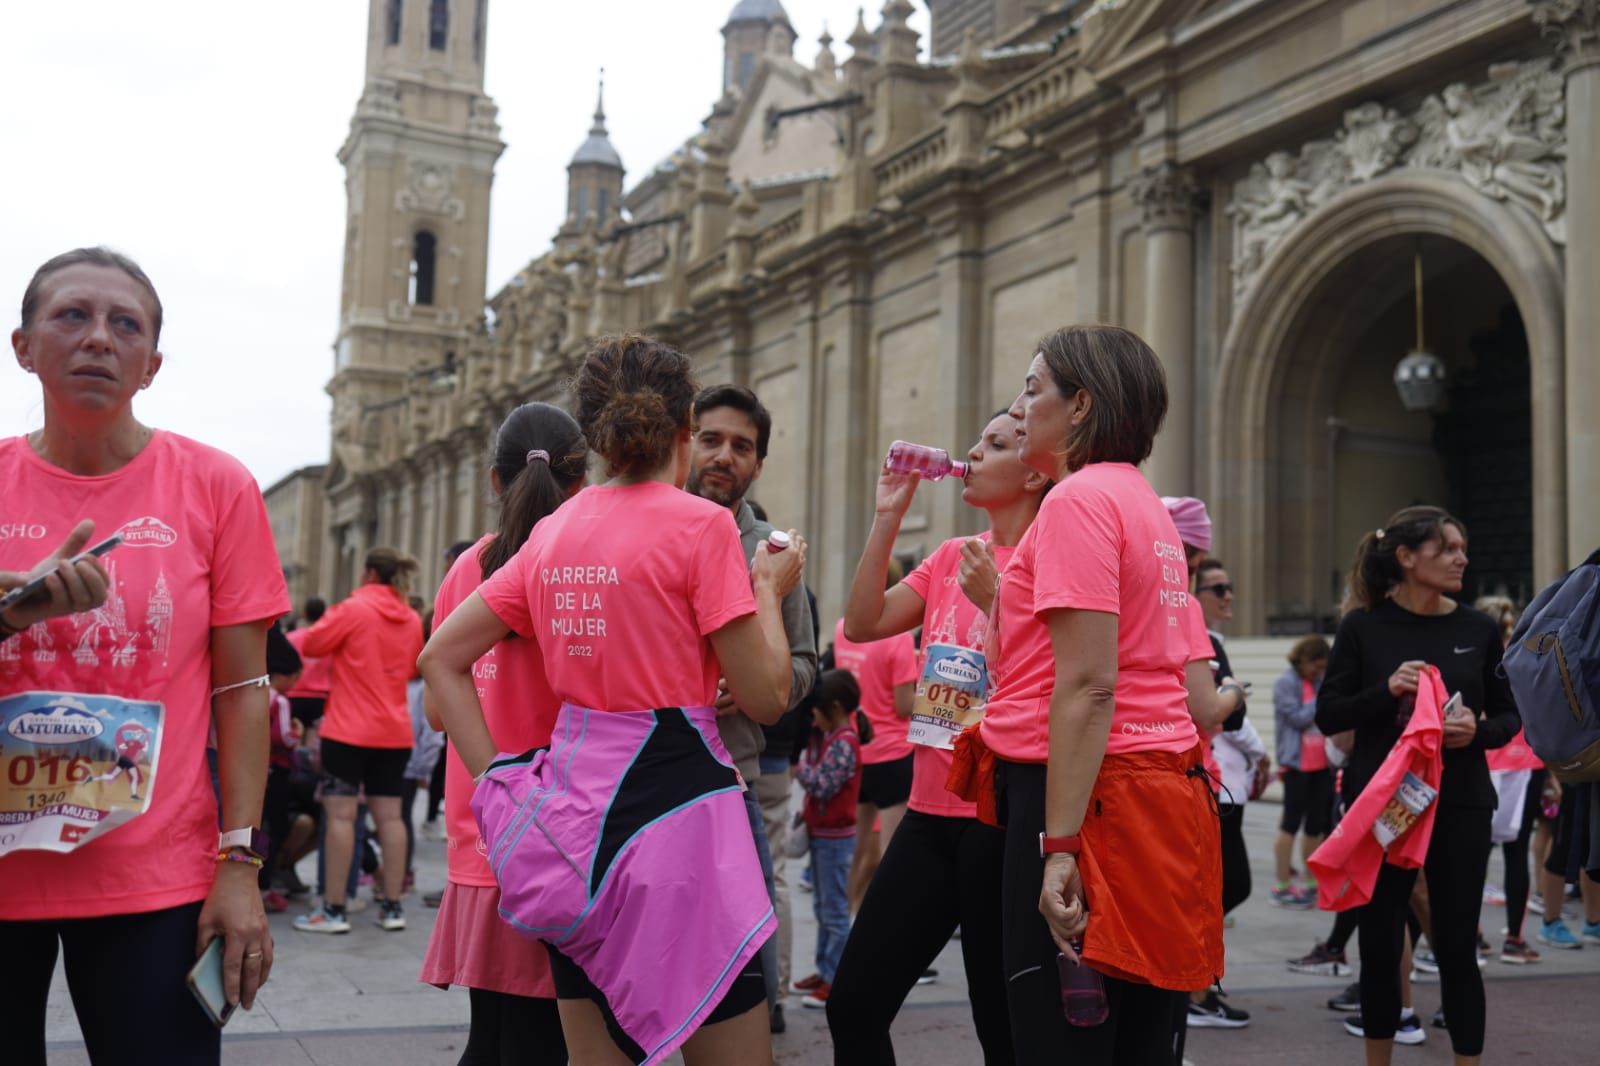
(323, 920)
(1517, 952)
(390, 916)
(1321, 962)
(1348, 1000)
(806, 984)
(1438, 1019)
(817, 998)
(1591, 932)
(274, 902)
(1292, 898)
(929, 976)
(1557, 935)
(1422, 959)
(1407, 1031)
(1494, 895)
(1213, 1013)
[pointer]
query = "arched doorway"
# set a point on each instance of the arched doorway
(1313, 446)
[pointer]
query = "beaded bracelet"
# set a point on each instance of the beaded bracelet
(239, 856)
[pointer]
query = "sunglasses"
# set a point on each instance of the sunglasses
(1223, 589)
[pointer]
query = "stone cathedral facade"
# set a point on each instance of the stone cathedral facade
(1285, 197)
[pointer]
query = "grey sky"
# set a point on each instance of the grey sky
(199, 137)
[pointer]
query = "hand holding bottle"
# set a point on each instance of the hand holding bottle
(782, 568)
(1061, 902)
(895, 491)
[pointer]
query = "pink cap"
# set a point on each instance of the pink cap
(1189, 515)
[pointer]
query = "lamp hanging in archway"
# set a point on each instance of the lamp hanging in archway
(1419, 377)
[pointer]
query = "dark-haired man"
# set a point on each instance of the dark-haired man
(731, 433)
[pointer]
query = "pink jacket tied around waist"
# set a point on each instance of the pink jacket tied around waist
(626, 846)
(1347, 863)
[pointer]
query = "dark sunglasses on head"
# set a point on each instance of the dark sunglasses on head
(1224, 588)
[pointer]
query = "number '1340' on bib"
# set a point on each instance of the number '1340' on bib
(73, 766)
(950, 695)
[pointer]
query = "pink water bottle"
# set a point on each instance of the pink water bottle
(1083, 991)
(931, 464)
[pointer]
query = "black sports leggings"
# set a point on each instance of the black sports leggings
(1458, 858)
(937, 873)
(513, 1031)
(1235, 859)
(1516, 856)
(127, 976)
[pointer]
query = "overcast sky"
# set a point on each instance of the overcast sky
(199, 136)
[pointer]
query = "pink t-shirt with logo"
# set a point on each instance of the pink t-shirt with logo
(518, 707)
(948, 617)
(879, 666)
(1103, 541)
(197, 553)
(621, 588)
(1517, 755)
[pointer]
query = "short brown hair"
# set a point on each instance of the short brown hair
(634, 396)
(1308, 650)
(1126, 382)
(101, 257)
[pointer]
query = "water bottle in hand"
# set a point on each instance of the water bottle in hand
(931, 464)
(1083, 991)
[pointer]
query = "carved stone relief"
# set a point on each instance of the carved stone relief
(429, 188)
(1506, 137)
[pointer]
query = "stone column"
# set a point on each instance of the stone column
(1166, 194)
(962, 408)
(1575, 26)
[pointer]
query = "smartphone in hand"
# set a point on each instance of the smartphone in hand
(35, 589)
(205, 981)
(1453, 708)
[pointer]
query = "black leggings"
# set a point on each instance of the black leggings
(127, 976)
(937, 873)
(1145, 1024)
(1516, 856)
(513, 1031)
(1235, 859)
(1458, 858)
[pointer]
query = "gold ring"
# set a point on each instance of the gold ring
(253, 954)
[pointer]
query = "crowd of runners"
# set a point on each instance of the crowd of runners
(631, 723)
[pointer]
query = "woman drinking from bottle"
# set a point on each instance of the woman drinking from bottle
(942, 870)
(1095, 653)
(625, 846)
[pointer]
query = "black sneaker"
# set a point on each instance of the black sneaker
(1407, 1031)
(929, 976)
(1321, 962)
(1213, 1013)
(390, 916)
(1349, 999)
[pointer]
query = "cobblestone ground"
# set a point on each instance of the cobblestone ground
(353, 1000)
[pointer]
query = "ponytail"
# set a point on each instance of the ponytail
(539, 456)
(393, 569)
(1376, 571)
(863, 726)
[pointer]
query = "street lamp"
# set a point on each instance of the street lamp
(1420, 376)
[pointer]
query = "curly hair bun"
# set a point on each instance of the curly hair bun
(634, 396)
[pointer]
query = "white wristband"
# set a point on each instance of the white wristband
(255, 682)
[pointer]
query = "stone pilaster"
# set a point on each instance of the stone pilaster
(1574, 25)
(1167, 195)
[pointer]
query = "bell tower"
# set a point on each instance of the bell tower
(419, 163)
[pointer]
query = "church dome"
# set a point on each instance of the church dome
(758, 11)
(597, 149)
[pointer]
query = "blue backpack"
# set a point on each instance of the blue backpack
(1553, 664)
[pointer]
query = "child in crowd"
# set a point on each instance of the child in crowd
(830, 774)
(283, 667)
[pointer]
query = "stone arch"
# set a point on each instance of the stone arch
(1285, 299)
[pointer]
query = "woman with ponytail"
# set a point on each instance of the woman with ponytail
(540, 459)
(1402, 617)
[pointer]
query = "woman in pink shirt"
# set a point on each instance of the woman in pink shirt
(625, 845)
(129, 896)
(540, 459)
(1092, 649)
(943, 868)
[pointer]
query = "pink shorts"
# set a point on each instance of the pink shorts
(473, 947)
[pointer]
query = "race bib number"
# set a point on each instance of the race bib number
(73, 766)
(950, 695)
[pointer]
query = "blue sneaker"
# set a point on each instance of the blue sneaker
(1591, 932)
(1557, 935)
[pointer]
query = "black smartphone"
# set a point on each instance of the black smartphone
(35, 589)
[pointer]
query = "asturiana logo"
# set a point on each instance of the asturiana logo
(59, 725)
(148, 532)
(958, 671)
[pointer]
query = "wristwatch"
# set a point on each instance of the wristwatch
(251, 840)
(1058, 845)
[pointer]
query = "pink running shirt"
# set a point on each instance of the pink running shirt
(948, 617)
(316, 674)
(518, 707)
(198, 553)
(1103, 541)
(621, 588)
(879, 666)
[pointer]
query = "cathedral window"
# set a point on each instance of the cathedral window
(438, 24)
(424, 252)
(583, 203)
(747, 66)
(478, 31)
(605, 203)
(395, 9)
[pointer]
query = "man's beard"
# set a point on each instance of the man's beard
(717, 494)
